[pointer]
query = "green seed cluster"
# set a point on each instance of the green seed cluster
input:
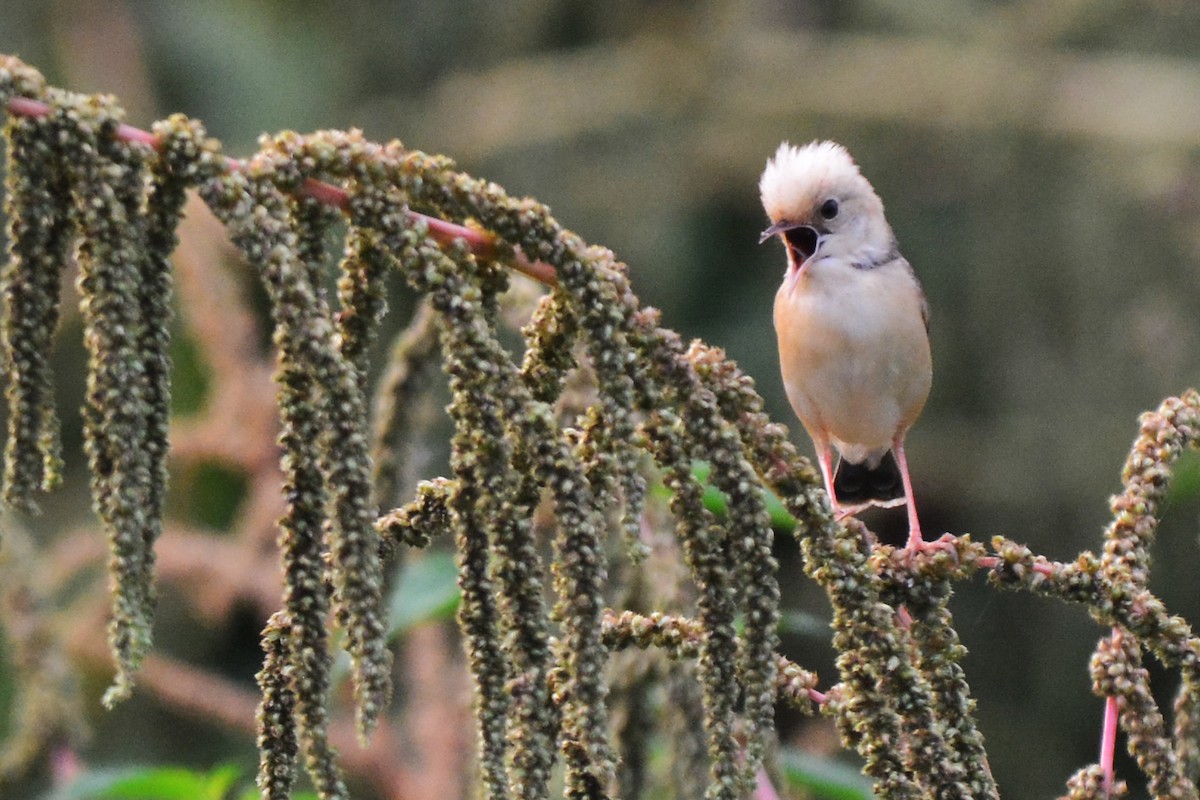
(715, 554)
(1186, 732)
(278, 745)
(1114, 587)
(886, 706)
(501, 576)
(39, 235)
(258, 217)
(1117, 671)
(75, 189)
(39, 241)
(876, 673)
(682, 638)
(306, 334)
(361, 297)
(106, 182)
(1088, 784)
(953, 738)
(641, 371)
(427, 515)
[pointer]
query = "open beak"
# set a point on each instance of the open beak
(778, 227)
(802, 240)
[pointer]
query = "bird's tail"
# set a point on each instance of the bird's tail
(861, 485)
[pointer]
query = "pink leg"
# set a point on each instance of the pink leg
(916, 542)
(915, 539)
(825, 462)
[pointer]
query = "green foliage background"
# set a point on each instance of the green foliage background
(1040, 164)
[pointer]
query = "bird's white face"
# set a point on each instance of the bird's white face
(822, 207)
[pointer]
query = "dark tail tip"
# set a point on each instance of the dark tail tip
(858, 484)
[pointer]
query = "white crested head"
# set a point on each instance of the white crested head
(796, 175)
(819, 185)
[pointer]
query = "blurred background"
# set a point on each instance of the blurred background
(1040, 164)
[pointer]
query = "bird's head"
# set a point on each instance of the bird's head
(819, 203)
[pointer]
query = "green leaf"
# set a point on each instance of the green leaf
(781, 520)
(803, 623)
(426, 590)
(150, 783)
(714, 501)
(1185, 478)
(824, 778)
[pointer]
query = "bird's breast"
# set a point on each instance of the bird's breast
(853, 350)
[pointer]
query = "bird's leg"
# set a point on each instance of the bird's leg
(825, 462)
(916, 541)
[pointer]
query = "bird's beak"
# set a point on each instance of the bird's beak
(778, 227)
(802, 240)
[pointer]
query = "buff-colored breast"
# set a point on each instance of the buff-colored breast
(854, 353)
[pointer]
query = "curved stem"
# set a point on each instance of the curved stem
(481, 243)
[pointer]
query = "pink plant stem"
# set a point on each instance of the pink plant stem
(26, 107)
(1108, 734)
(764, 790)
(481, 243)
(65, 766)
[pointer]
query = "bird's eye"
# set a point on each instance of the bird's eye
(829, 209)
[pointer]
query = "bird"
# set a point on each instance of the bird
(853, 326)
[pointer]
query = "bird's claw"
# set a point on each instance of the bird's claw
(917, 546)
(841, 512)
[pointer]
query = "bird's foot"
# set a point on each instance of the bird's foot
(917, 546)
(841, 512)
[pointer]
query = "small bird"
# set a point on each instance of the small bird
(852, 324)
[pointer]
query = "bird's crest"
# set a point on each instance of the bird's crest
(798, 178)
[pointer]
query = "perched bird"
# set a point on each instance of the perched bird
(852, 325)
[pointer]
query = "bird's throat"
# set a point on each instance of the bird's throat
(794, 273)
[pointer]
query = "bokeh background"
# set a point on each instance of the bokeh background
(1040, 164)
